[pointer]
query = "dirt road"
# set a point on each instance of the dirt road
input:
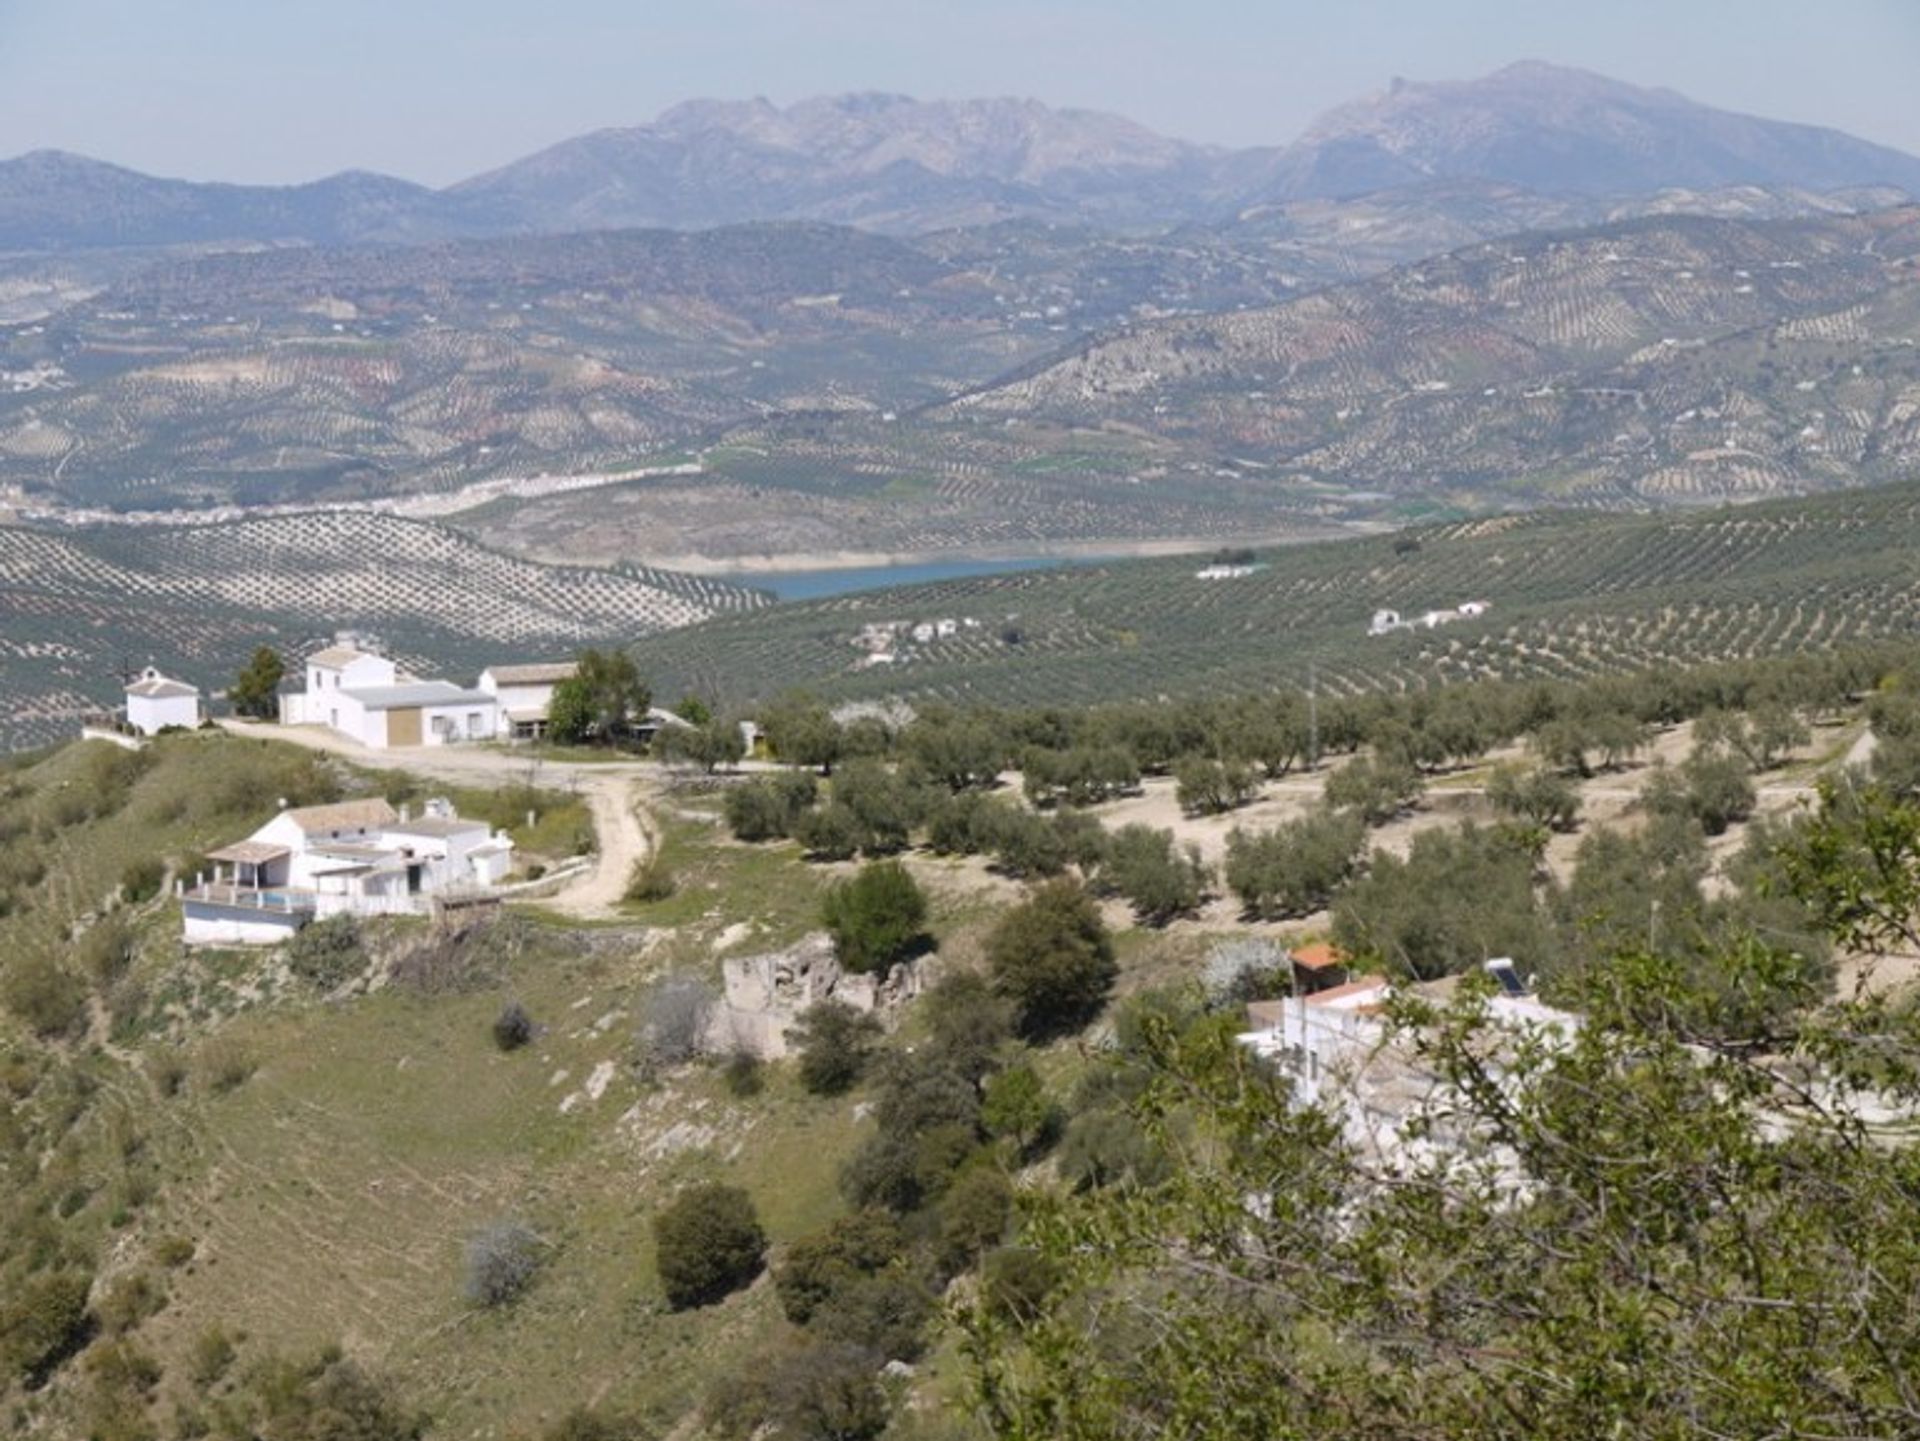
(615, 793)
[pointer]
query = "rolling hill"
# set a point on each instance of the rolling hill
(1570, 595)
(79, 610)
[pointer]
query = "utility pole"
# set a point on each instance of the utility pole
(1313, 719)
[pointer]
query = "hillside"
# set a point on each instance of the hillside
(1570, 596)
(1603, 366)
(77, 610)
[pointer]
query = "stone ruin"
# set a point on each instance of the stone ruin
(765, 995)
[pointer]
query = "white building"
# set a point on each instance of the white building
(525, 694)
(155, 702)
(363, 696)
(358, 858)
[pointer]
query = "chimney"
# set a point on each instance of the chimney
(406, 812)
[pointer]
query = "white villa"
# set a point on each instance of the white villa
(525, 694)
(155, 702)
(364, 696)
(360, 858)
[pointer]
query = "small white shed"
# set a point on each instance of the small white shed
(155, 702)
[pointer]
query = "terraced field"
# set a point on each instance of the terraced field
(1570, 595)
(79, 609)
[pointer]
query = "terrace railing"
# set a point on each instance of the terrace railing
(279, 900)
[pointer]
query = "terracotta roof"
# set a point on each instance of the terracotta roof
(539, 673)
(1319, 956)
(344, 815)
(1351, 989)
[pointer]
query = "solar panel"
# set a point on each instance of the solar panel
(1509, 979)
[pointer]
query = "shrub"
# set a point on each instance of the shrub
(744, 1074)
(513, 1027)
(142, 879)
(128, 1301)
(650, 880)
(877, 919)
(836, 1042)
(674, 1013)
(831, 833)
(320, 1399)
(1246, 969)
(1016, 1107)
(225, 1064)
(974, 1215)
(708, 1243)
(211, 1356)
(43, 1321)
(829, 1393)
(970, 1023)
(1015, 1282)
(1103, 1147)
(885, 1314)
(1708, 787)
(1052, 957)
(327, 953)
(48, 999)
(816, 1266)
(502, 1259)
(1536, 795)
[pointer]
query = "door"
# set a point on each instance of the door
(403, 727)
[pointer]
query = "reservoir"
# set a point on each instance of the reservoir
(814, 584)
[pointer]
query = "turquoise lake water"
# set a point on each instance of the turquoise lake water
(813, 584)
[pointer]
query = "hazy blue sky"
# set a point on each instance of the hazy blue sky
(267, 90)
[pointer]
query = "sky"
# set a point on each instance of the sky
(288, 90)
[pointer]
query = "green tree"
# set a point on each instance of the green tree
(877, 919)
(836, 1042)
(707, 1243)
(1295, 868)
(601, 701)
(1052, 957)
(255, 691)
(802, 732)
(1206, 787)
(1376, 787)
(1159, 881)
(1536, 795)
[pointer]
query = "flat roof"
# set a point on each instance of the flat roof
(1320, 956)
(537, 673)
(424, 692)
(436, 826)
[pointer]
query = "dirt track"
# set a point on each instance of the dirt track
(613, 792)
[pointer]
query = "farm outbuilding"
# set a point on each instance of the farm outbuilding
(364, 696)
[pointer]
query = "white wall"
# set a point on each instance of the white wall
(151, 714)
(217, 926)
(521, 697)
(461, 718)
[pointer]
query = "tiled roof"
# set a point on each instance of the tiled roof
(1319, 956)
(335, 656)
(1334, 995)
(160, 688)
(541, 673)
(344, 815)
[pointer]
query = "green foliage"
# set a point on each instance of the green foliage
(327, 953)
(256, 690)
(324, 1398)
(513, 1027)
(1052, 958)
(1458, 898)
(970, 1024)
(1206, 787)
(1016, 1106)
(1079, 775)
(744, 1073)
(1535, 795)
(1709, 788)
(959, 752)
(769, 808)
(877, 919)
(884, 804)
(600, 702)
(801, 732)
(708, 1243)
(1377, 787)
(43, 1321)
(1295, 868)
(836, 1042)
(973, 1215)
(1159, 881)
(142, 878)
(832, 833)
(709, 743)
(649, 880)
(46, 997)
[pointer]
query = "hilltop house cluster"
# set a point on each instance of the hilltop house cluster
(353, 689)
(886, 642)
(357, 858)
(1385, 622)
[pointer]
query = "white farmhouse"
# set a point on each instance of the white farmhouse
(363, 696)
(525, 694)
(155, 702)
(358, 858)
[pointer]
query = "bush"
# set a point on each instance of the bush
(43, 1321)
(1708, 787)
(829, 1393)
(744, 1074)
(650, 880)
(502, 1259)
(708, 1243)
(225, 1064)
(325, 1398)
(513, 1027)
(885, 1314)
(831, 833)
(106, 950)
(1052, 957)
(1015, 1282)
(974, 1215)
(816, 1266)
(970, 1023)
(211, 1356)
(1378, 788)
(674, 1013)
(877, 919)
(1016, 1107)
(142, 879)
(47, 998)
(1103, 1147)
(836, 1041)
(327, 953)
(1246, 969)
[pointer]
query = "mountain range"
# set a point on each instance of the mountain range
(892, 163)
